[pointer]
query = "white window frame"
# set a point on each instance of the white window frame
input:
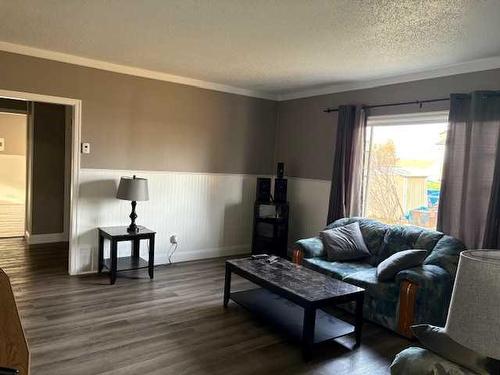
(418, 118)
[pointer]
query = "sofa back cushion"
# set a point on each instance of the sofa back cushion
(383, 240)
(399, 238)
(446, 254)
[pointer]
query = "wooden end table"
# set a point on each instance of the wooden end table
(132, 262)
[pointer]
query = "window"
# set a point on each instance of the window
(403, 167)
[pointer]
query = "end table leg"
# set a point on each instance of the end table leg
(100, 254)
(359, 319)
(151, 259)
(136, 247)
(112, 271)
(227, 285)
(308, 332)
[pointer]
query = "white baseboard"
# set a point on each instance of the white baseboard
(186, 256)
(36, 239)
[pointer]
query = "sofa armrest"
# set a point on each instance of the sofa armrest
(425, 294)
(426, 276)
(307, 248)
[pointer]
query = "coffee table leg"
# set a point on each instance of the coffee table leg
(359, 319)
(227, 285)
(308, 332)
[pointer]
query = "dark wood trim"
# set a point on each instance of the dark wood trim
(407, 297)
(297, 255)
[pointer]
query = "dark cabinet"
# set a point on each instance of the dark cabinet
(270, 228)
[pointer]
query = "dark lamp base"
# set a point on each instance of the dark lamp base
(133, 228)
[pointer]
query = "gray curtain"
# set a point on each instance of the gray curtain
(469, 207)
(347, 176)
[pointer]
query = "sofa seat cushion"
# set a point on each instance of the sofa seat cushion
(367, 279)
(338, 270)
(381, 298)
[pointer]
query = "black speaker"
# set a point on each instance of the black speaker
(263, 189)
(280, 170)
(280, 185)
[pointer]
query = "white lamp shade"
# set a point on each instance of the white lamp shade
(133, 189)
(474, 314)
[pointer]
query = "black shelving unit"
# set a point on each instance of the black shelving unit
(270, 228)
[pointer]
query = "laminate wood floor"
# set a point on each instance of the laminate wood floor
(11, 219)
(174, 324)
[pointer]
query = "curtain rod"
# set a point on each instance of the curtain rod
(419, 102)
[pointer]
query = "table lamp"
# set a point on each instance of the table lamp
(474, 313)
(133, 189)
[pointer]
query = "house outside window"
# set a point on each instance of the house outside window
(403, 167)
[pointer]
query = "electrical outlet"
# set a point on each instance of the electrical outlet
(85, 148)
(173, 239)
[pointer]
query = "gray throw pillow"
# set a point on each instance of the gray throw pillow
(344, 243)
(399, 261)
(437, 340)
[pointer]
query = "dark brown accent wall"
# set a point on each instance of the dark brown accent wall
(305, 137)
(47, 206)
(139, 123)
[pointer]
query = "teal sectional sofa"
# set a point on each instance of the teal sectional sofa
(417, 295)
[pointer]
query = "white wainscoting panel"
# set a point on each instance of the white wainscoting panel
(211, 214)
(308, 207)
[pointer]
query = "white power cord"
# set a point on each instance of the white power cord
(171, 252)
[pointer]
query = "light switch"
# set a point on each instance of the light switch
(85, 148)
(2, 144)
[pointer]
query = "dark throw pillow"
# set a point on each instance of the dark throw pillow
(437, 340)
(344, 243)
(399, 261)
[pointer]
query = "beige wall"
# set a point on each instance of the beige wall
(13, 130)
(305, 138)
(138, 123)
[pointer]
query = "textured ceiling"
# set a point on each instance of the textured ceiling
(273, 46)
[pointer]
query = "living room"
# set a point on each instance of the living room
(383, 119)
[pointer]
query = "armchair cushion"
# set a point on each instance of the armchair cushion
(418, 361)
(437, 340)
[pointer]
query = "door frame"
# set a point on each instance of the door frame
(76, 104)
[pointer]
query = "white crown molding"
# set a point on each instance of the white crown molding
(129, 70)
(448, 70)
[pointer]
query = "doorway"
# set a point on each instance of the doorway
(13, 164)
(72, 166)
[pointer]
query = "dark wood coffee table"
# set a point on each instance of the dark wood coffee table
(292, 297)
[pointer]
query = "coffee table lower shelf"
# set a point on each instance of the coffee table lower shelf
(289, 317)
